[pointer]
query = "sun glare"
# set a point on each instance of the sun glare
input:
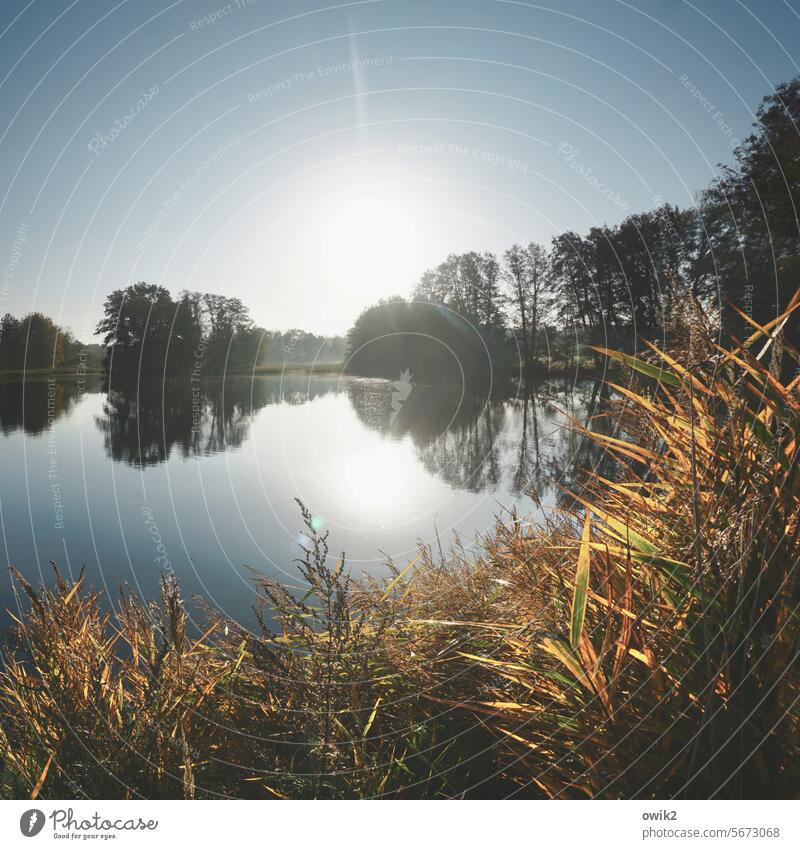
(370, 243)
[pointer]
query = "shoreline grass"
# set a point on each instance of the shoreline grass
(306, 368)
(44, 373)
(642, 645)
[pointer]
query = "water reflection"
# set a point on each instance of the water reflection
(144, 426)
(476, 443)
(34, 405)
(517, 441)
(381, 467)
(573, 456)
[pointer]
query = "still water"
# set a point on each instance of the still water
(211, 472)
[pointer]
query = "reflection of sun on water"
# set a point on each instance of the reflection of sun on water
(351, 476)
(376, 484)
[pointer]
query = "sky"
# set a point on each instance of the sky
(312, 157)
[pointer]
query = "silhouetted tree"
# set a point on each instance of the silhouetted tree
(187, 333)
(148, 334)
(300, 346)
(432, 341)
(527, 279)
(33, 342)
(136, 327)
(469, 284)
(229, 326)
(12, 345)
(750, 248)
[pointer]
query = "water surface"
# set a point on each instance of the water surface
(211, 471)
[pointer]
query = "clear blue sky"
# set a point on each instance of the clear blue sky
(311, 157)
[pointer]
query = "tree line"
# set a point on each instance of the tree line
(477, 314)
(737, 251)
(148, 332)
(37, 342)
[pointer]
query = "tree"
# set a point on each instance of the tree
(187, 335)
(72, 347)
(44, 341)
(490, 297)
(433, 342)
(469, 284)
(229, 326)
(527, 277)
(34, 342)
(137, 325)
(300, 346)
(12, 350)
(572, 281)
(751, 249)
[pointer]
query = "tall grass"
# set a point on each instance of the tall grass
(660, 653)
(642, 644)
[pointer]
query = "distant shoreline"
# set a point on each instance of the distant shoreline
(44, 373)
(69, 373)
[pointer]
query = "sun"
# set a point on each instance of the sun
(371, 245)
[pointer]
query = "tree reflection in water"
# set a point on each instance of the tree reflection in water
(477, 443)
(517, 441)
(33, 405)
(143, 426)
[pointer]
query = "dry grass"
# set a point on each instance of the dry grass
(648, 647)
(643, 645)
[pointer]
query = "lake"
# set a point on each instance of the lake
(202, 478)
